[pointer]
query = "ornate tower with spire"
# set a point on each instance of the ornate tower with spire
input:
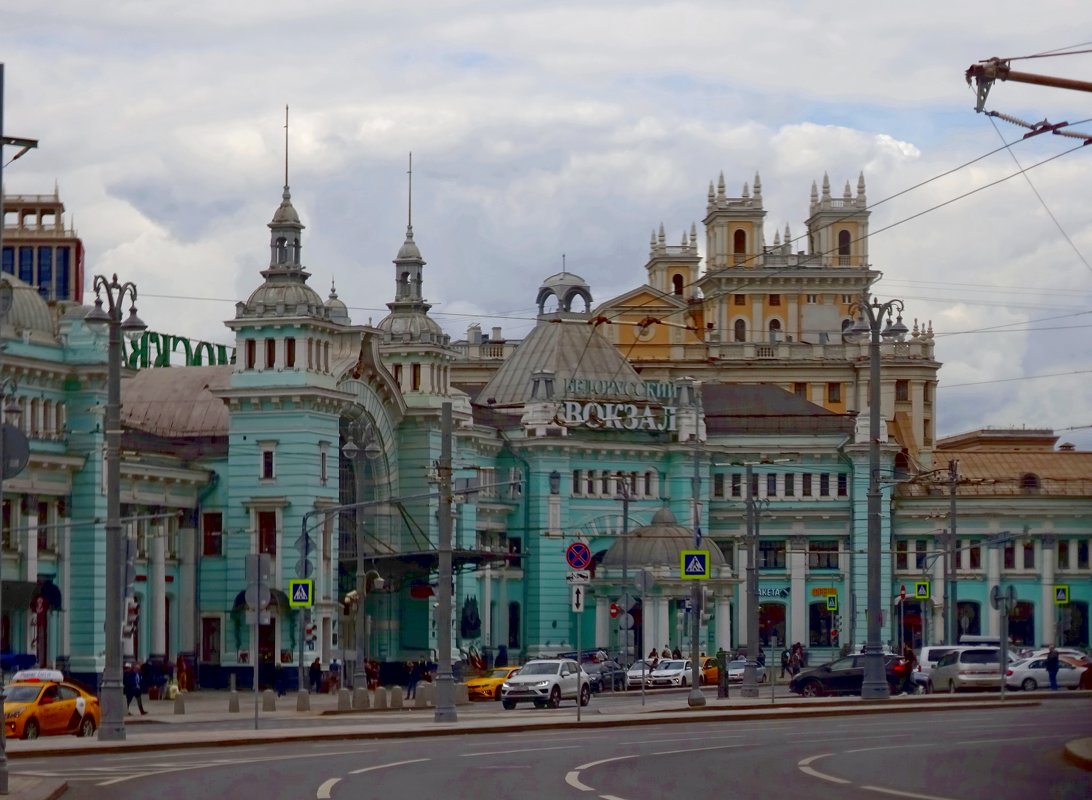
(838, 227)
(733, 227)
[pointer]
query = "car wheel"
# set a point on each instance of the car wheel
(31, 729)
(1029, 685)
(508, 704)
(497, 695)
(685, 681)
(811, 689)
(585, 696)
(87, 727)
(764, 678)
(555, 697)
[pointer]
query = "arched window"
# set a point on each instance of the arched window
(677, 283)
(843, 247)
(1029, 482)
(739, 246)
(740, 330)
(775, 330)
(282, 250)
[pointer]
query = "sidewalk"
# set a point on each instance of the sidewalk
(154, 731)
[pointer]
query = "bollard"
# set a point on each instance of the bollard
(344, 700)
(269, 700)
(180, 703)
(303, 700)
(396, 697)
(420, 695)
(462, 695)
(361, 699)
(381, 698)
(722, 674)
(233, 699)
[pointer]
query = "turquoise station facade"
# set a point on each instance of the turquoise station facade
(317, 443)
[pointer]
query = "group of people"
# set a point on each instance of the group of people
(314, 676)
(793, 659)
(654, 656)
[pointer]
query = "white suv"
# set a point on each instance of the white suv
(546, 682)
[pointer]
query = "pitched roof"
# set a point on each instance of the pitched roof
(176, 401)
(763, 408)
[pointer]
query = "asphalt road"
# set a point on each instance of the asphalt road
(986, 754)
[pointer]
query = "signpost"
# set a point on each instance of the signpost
(1004, 602)
(578, 598)
(694, 565)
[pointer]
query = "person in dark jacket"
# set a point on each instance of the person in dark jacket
(1052, 668)
(131, 683)
(314, 675)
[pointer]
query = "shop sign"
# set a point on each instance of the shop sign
(823, 591)
(161, 349)
(779, 593)
(638, 390)
(619, 416)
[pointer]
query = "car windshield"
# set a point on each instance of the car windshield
(641, 665)
(21, 694)
(736, 664)
(499, 673)
(539, 669)
(982, 657)
(671, 665)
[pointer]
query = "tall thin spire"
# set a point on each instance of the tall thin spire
(409, 212)
(286, 145)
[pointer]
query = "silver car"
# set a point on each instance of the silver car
(968, 668)
(1030, 674)
(735, 671)
(637, 673)
(546, 682)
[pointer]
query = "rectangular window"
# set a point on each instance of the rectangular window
(398, 375)
(416, 378)
(834, 392)
(800, 390)
(902, 391)
(775, 299)
(1082, 554)
(771, 484)
(1010, 556)
(975, 555)
(270, 353)
(920, 546)
(901, 551)
(578, 483)
(805, 484)
(771, 555)
(267, 465)
(790, 484)
(754, 484)
(324, 459)
(843, 484)
(824, 484)
(289, 352)
(43, 527)
(251, 351)
(212, 533)
(210, 640)
(718, 484)
(823, 554)
(1063, 554)
(45, 272)
(737, 485)
(739, 299)
(267, 532)
(1029, 555)
(812, 299)
(605, 485)
(649, 476)
(26, 265)
(589, 483)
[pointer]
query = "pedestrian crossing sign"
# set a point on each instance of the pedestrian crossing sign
(301, 593)
(832, 602)
(694, 565)
(921, 590)
(1061, 594)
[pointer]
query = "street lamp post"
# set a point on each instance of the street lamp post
(7, 393)
(113, 703)
(869, 321)
(362, 445)
(750, 667)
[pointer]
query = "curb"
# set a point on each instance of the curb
(1079, 753)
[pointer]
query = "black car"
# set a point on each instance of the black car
(845, 676)
(605, 675)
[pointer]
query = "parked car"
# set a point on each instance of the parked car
(735, 671)
(671, 672)
(488, 686)
(710, 671)
(1030, 673)
(968, 668)
(929, 655)
(1072, 652)
(607, 675)
(845, 676)
(546, 682)
(40, 702)
(638, 673)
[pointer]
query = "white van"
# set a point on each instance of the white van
(979, 641)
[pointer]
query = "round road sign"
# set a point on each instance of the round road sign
(578, 555)
(614, 611)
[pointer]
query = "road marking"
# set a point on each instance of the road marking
(897, 793)
(385, 766)
(699, 749)
(523, 750)
(802, 765)
(573, 776)
(324, 790)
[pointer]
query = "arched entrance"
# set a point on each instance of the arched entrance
(771, 624)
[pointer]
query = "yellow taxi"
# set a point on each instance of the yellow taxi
(710, 671)
(487, 687)
(39, 702)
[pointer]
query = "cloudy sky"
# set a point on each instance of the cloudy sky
(573, 127)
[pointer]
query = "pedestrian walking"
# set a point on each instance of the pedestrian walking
(1052, 668)
(415, 669)
(786, 654)
(314, 675)
(131, 683)
(911, 659)
(335, 675)
(676, 653)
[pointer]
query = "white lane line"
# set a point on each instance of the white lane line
(386, 766)
(325, 789)
(573, 776)
(610, 797)
(802, 765)
(898, 793)
(522, 750)
(699, 749)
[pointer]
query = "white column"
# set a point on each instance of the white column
(663, 621)
(993, 578)
(602, 622)
(798, 599)
(30, 545)
(502, 614)
(1047, 609)
(723, 613)
(157, 591)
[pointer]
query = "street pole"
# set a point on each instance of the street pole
(627, 619)
(750, 669)
(110, 693)
(952, 608)
(874, 685)
(696, 698)
(7, 390)
(445, 682)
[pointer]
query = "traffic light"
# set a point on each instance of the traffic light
(132, 615)
(707, 602)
